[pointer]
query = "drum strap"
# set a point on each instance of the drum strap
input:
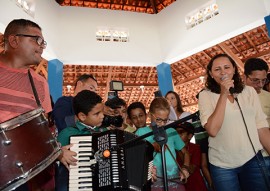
(34, 88)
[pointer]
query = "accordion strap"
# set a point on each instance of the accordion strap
(34, 88)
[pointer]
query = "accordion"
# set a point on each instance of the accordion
(127, 168)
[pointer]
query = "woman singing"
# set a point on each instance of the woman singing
(232, 115)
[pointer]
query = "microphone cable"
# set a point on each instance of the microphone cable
(260, 163)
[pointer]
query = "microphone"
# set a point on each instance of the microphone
(160, 136)
(231, 89)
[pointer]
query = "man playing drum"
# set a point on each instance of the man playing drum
(23, 46)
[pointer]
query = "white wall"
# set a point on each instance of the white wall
(46, 17)
(70, 31)
(77, 29)
(9, 11)
(267, 6)
(234, 17)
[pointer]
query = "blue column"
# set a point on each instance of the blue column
(165, 82)
(55, 78)
(267, 22)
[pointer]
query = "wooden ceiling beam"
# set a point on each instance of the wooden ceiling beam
(236, 48)
(108, 83)
(188, 68)
(42, 68)
(264, 31)
(176, 70)
(153, 5)
(141, 94)
(127, 74)
(60, 1)
(260, 54)
(189, 79)
(130, 97)
(150, 73)
(137, 73)
(149, 98)
(250, 42)
(125, 84)
(206, 54)
(195, 60)
(228, 51)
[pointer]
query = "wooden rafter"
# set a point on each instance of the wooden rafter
(264, 31)
(153, 5)
(258, 55)
(195, 60)
(250, 42)
(108, 82)
(228, 51)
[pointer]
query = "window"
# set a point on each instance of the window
(27, 5)
(112, 34)
(201, 14)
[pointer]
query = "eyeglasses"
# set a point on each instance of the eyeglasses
(40, 41)
(159, 120)
(258, 81)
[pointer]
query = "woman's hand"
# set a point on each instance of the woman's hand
(225, 85)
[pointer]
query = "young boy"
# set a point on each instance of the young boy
(137, 114)
(195, 182)
(159, 113)
(88, 108)
(118, 107)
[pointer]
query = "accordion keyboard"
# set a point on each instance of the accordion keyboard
(80, 176)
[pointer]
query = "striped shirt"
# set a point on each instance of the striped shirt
(16, 94)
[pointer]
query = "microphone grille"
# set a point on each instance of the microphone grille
(224, 77)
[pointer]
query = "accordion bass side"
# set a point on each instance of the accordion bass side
(127, 168)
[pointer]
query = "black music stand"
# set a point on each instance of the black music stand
(160, 136)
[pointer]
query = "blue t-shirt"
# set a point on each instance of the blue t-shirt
(63, 113)
(174, 143)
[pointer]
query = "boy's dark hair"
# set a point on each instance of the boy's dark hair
(85, 101)
(253, 64)
(84, 77)
(135, 105)
(17, 26)
(188, 127)
(115, 102)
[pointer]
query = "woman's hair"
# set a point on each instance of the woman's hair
(159, 103)
(85, 101)
(213, 86)
(179, 104)
(135, 105)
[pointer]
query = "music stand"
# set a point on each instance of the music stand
(160, 136)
